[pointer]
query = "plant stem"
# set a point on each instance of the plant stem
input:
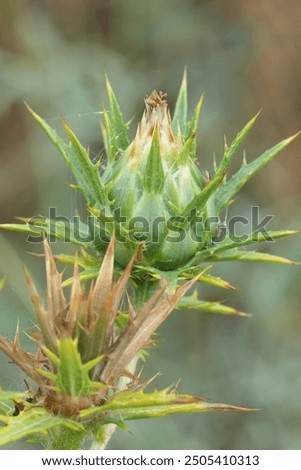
(66, 439)
(103, 439)
(108, 430)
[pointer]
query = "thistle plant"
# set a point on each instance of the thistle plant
(153, 220)
(84, 364)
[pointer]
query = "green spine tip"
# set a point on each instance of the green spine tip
(293, 137)
(188, 151)
(181, 108)
(194, 123)
(119, 127)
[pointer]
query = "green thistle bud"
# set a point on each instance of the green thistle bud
(152, 183)
(151, 190)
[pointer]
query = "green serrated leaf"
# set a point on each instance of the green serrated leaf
(193, 125)
(84, 171)
(39, 227)
(192, 302)
(109, 138)
(119, 128)
(226, 192)
(24, 228)
(215, 281)
(231, 151)
(126, 406)
(256, 237)
(179, 120)
(72, 376)
(239, 255)
(31, 422)
(228, 244)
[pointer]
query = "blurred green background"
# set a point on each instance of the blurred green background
(244, 56)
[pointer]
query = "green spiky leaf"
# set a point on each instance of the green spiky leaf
(256, 237)
(215, 281)
(85, 172)
(192, 302)
(194, 123)
(109, 137)
(226, 192)
(201, 199)
(179, 120)
(72, 376)
(39, 227)
(126, 406)
(254, 256)
(30, 423)
(231, 151)
(118, 126)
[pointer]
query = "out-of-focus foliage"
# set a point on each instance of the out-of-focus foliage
(54, 55)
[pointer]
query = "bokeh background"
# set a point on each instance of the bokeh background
(244, 56)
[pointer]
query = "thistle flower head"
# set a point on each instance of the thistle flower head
(152, 193)
(154, 184)
(152, 181)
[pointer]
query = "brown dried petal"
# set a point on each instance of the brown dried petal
(55, 295)
(139, 331)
